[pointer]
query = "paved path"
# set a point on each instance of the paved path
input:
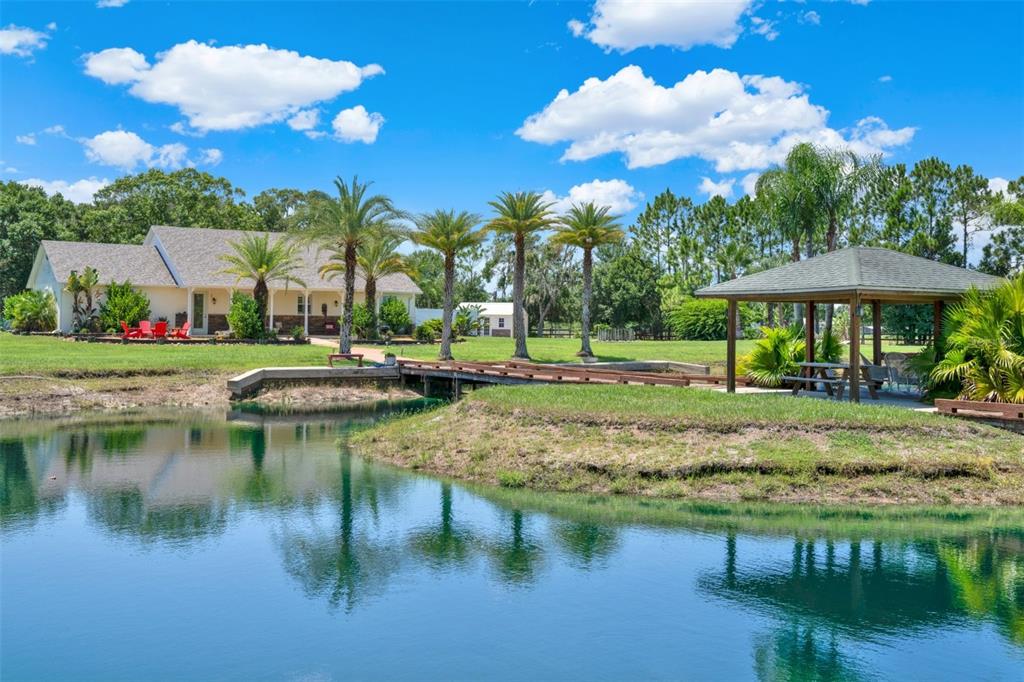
(370, 353)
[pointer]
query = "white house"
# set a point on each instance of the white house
(497, 316)
(181, 271)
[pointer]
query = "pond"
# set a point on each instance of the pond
(256, 547)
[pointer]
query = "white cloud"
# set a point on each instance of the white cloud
(810, 17)
(356, 125)
(765, 28)
(55, 130)
(625, 25)
(722, 188)
(52, 26)
(998, 185)
(126, 150)
(749, 183)
(79, 191)
(306, 119)
(21, 41)
(231, 87)
(885, 79)
(111, 3)
(736, 122)
(29, 139)
(618, 195)
(211, 157)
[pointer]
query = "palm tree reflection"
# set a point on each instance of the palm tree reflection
(446, 544)
(517, 557)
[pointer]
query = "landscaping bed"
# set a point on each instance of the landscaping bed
(695, 443)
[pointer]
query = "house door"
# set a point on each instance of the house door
(198, 313)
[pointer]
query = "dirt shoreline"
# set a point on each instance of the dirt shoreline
(42, 396)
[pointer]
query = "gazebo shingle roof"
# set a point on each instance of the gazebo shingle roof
(880, 273)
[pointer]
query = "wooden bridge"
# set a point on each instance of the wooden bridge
(452, 377)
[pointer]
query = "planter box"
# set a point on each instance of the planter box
(981, 410)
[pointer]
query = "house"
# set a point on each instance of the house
(497, 316)
(181, 271)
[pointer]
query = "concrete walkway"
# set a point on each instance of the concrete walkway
(370, 353)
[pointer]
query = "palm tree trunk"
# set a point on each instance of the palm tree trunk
(449, 303)
(371, 306)
(259, 292)
(588, 263)
(345, 334)
(518, 290)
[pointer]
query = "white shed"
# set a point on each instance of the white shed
(497, 316)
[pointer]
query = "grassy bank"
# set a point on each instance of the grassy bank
(693, 443)
(484, 349)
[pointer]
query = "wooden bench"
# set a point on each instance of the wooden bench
(981, 410)
(839, 384)
(358, 357)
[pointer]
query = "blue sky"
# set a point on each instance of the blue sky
(464, 104)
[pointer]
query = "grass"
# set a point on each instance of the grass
(695, 443)
(38, 355)
(486, 348)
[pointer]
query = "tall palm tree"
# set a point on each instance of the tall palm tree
(258, 258)
(520, 214)
(586, 226)
(342, 225)
(450, 234)
(377, 258)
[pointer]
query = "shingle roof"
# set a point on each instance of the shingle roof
(141, 265)
(195, 256)
(856, 269)
(493, 307)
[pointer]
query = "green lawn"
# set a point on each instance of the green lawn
(487, 348)
(51, 356)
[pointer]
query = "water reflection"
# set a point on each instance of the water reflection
(811, 586)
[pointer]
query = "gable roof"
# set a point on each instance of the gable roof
(488, 308)
(855, 270)
(141, 265)
(194, 256)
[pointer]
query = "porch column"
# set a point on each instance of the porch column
(940, 309)
(188, 308)
(854, 349)
(270, 293)
(876, 325)
(730, 349)
(306, 303)
(809, 336)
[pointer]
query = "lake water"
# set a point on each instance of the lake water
(194, 547)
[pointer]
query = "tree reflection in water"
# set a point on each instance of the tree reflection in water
(516, 558)
(445, 545)
(587, 544)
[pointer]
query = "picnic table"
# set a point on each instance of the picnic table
(834, 376)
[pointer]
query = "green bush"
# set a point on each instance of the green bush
(395, 316)
(244, 317)
(775, 355)
(705, 319)
(298, 333)
(910, 324)
(429, 331)
(123, 302)
(31, 311)
(361, 321)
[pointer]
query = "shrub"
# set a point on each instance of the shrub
(775, 355)
(31, 311)
(298, 333)
(705, 319)
(429, 331)
(244, 317)
(512, 479)
(395, 316)
(123, 302)
(361, 321)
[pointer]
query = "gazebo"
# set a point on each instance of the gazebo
(853, 276)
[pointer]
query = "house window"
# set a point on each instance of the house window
(302, 300)
(501, 323)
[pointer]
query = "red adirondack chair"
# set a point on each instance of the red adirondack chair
(160, 330)
(181, 333)
(129, 332)
(145, 329)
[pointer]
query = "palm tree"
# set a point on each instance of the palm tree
(262, 261)
(450, 234)
(342, 225)
(586, 226)
(83, 286)
(520, 214)
(377, 258)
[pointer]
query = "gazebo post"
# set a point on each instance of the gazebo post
(876, 336)
(730, 348)
(854, 349)
(940, 309)
(809, 335)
